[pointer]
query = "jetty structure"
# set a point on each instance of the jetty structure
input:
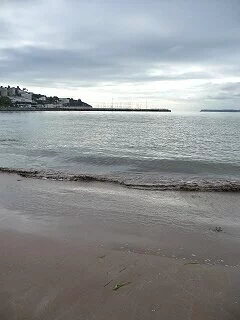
(13, 109)
(17, 99)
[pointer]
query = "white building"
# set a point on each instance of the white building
(23, 99)
(42, 98)
(50, 105)
(26, 95)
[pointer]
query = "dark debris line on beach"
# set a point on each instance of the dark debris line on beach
(208, 186)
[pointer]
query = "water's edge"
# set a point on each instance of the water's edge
(178, 185)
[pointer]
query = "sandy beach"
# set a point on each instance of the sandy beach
(65, 246)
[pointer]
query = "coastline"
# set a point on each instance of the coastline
(220, 110)
(65, 245)
(10, 109)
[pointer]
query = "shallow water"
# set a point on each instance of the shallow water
(171, 224)
(162, 150)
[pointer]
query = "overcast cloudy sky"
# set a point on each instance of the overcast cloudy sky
(184, 54)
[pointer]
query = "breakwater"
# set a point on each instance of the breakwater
(9, 109)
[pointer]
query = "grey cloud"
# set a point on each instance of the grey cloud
(231, 87)
(84, 65)
(225, 91)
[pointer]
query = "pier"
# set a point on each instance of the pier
(12, 109)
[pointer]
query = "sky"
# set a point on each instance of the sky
(181, 54)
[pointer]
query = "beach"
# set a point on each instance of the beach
(64, 247)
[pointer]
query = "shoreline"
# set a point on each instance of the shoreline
(64, 246)
(220, 185)
(140, 218)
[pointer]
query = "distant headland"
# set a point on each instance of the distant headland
(220, 110)
(17, 99)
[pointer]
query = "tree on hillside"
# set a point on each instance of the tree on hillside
(75, 103)
(52, 99)
(17, 91)
(5, 102)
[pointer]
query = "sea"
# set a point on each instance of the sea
(161, 151)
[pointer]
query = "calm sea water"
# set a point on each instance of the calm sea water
(161, 150)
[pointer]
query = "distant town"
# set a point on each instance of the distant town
(16, 97)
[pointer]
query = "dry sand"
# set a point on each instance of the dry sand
(63, 248)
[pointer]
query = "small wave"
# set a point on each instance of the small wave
(171, 185)
(8, 140)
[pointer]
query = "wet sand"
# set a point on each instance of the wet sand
(64, 246)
